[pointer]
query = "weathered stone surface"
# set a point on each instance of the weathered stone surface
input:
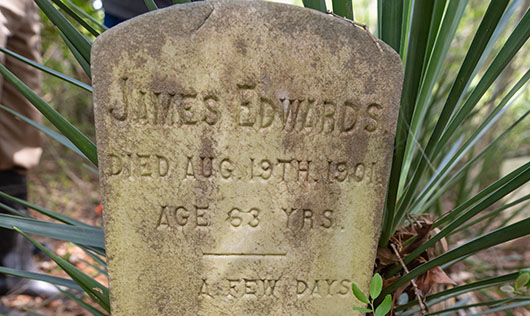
(244, 151)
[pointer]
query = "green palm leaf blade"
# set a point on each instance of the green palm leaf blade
(94, 289)
(86, 15)
(496, 237)
(89, 236)
(41, 277)
(405, 27)
(319, 5)
(525, 301)
(508, 99)
(510, 178)
(96, 258)
(76, 17)
(343, 8)
(501, 27)
(494, 213)
(11, 210)
(84, 305)
(77, 55)
(459, 290)
(422, 12)
(180, 1)
(441, 45)
(47, 70)
(510, 183)
(51, 214)
(476, 50)
(438, 191)
(441, 9)
(390, 24)
(151, 5)
(80, 42)
(96, 267)
(516, 40)
(58, 137)
(493, 311)
(85, 145)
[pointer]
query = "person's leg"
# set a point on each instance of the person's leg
(111, 20)
(20, 144)
(20, 147)
(15, 185)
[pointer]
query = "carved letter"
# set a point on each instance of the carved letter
(227, 168)
(186, 109)
(182, 215)
(145, 168)
(288, 213)
(373, 111)
(310, 118)
(329, 117)
(250, 287)
(115, 111)
(200, 213)
(249, 99)
(204, 289)
(269, 286)
(315, 289)
(163, 221)
(290, 113)
(267, 112)
(330, 284)
(284, 162)
(304, 170)
(232, 288)
(301, 287)
(205, 166)
(346, 124)
(342, 171)
(308, 216)
(163, 166)
(266, 167)
(189, 169)
(345, 287)
(115, 168)
(328, 219)
(210, 102)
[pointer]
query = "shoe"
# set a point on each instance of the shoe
(32, 288)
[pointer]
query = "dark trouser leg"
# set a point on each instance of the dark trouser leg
(15, 251)
(14, 184)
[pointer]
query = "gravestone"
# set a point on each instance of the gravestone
(244, 150)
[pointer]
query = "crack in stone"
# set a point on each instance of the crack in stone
(205, 19)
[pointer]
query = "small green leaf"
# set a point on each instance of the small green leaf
(522, 280)
(507, 288)
(384, 307)
(359, 294)
(361, 309)
(376, 286)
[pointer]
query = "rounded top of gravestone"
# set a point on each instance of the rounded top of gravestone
(202, 20)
